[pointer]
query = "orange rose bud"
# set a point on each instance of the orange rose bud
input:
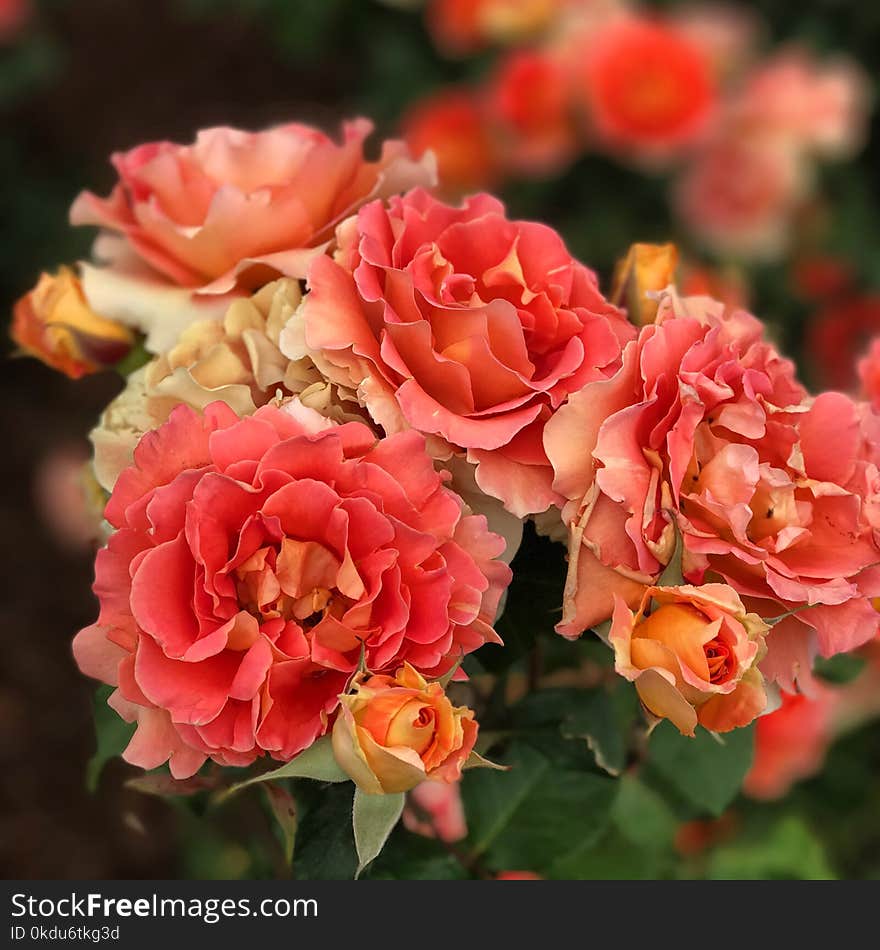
(54, 323)
(646, 268)
(694, 657)
(393, 732)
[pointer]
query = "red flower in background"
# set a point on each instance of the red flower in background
(14, 15)
(530, 100)
(453, 126)
(838, 335)
(647, 86)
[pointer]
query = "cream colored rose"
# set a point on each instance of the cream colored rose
(236, 360)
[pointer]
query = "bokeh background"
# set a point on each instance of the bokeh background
(82, 78)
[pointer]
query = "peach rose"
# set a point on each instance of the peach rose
(693, 655)
(237, 206)
(464, 325)
(55, 323)
(393, 732)
(707, 426)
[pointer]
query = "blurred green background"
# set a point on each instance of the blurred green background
(82, 78)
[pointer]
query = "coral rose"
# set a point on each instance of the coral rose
(236, 206)
(692, 653)
(256, 559)
(55, 323)
(393, 732)
(649, 90)
(464, 325)
(773, 492)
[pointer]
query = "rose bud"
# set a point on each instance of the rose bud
(692, 653)
(54, 323)
(393, 732)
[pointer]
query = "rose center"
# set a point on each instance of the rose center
(721, 661)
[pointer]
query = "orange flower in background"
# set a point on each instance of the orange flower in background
(452, 125)
(393, 732)
(638, 277)
(692, 653)
(647, 87)
(54, 323)
(463, 26)
(530, 101)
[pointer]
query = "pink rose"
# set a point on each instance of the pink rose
(462, 324)
(772, 492)
(819, 107)
(206, 214)
(255, 558)
(738, 194)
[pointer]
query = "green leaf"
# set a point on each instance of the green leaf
(283, 809)
(708, 772)
(787, 850)
(112, 735)
(611, 858)
(604, 719)
(538, 810)
(136, 357)
(324, 842)
(373, 819)
(642, 817)
(411, 857)
(491, 798)
(317, 763)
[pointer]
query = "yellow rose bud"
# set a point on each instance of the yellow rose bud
(693, 655)
(393, 732)
(646, 268)
(54, 323)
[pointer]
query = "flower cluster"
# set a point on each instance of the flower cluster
(686, 91)
(345, 380)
